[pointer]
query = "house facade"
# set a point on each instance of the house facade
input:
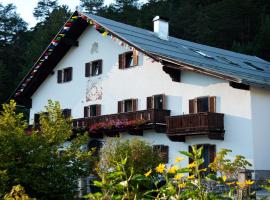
(115, 79)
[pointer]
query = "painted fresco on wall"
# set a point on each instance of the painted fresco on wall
(93, 91)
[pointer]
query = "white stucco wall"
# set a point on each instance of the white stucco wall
(260, 101)
(142, 81)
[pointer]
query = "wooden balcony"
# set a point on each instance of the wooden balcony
(210, 124)
(132, 122)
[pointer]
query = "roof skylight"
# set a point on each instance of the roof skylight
(253, 66)
(227, 60)
(201, 53)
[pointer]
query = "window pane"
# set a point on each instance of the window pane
(128, 105)
(129, 59)
(93, 110)
(158, 102)
(202, 104)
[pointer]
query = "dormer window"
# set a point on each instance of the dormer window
(128, 59)
(93, 68)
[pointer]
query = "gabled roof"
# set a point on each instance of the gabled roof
(229, 65)
(243, 68)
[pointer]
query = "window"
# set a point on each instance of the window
(92, 110)
(156, 102)
(129, 105)
(202, 104)
(64, 75)
(93, 68)
(163, 152)
(66, 113)
(128, 59)
(201, 53)
(208, 155)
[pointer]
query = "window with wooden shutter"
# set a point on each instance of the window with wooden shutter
(149, 103)
(96, 67)
(159, 102)
(67, 74)
(88, 69)
(59, 76)
(120, 106)
(128, 59)
(208, 155)
(163, 152)
(202, 104)
(128, 105)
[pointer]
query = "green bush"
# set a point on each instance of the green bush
(139, 154)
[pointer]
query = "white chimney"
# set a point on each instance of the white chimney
(161, 27)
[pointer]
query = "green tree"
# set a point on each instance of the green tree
(44, 9)
(92, 6)
(46, 161)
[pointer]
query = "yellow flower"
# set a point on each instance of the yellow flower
(178, 176)
(178, 159)
(192, 165)
(191, 177)
(182, 185)
(224, 178)
(230, 183)
(172, 170)
(148, 173)
(249, 182)
(160, 168)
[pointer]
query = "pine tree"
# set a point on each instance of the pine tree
(44, 8)
(92, 6)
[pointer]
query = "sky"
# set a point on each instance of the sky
(25, 7)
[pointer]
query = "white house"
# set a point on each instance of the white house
(118, 79)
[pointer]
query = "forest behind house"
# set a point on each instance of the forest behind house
(237, 25)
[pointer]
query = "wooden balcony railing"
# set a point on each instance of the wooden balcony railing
(211, 124)
(148, 118)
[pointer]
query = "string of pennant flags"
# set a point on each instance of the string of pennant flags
(55, 42)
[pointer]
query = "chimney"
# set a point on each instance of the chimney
(161, 27)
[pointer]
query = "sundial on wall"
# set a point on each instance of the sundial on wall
(93, 92)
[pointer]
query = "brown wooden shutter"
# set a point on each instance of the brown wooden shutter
(149, 102)
(135, 58)
(59, 76)
(212, 104)
(86, 111)
(121, 61)
(120, 106)
(134, 105)
(87, 69)
(98, 109)
(192, 106)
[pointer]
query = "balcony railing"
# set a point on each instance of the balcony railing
(211, 124)
(144, 119)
